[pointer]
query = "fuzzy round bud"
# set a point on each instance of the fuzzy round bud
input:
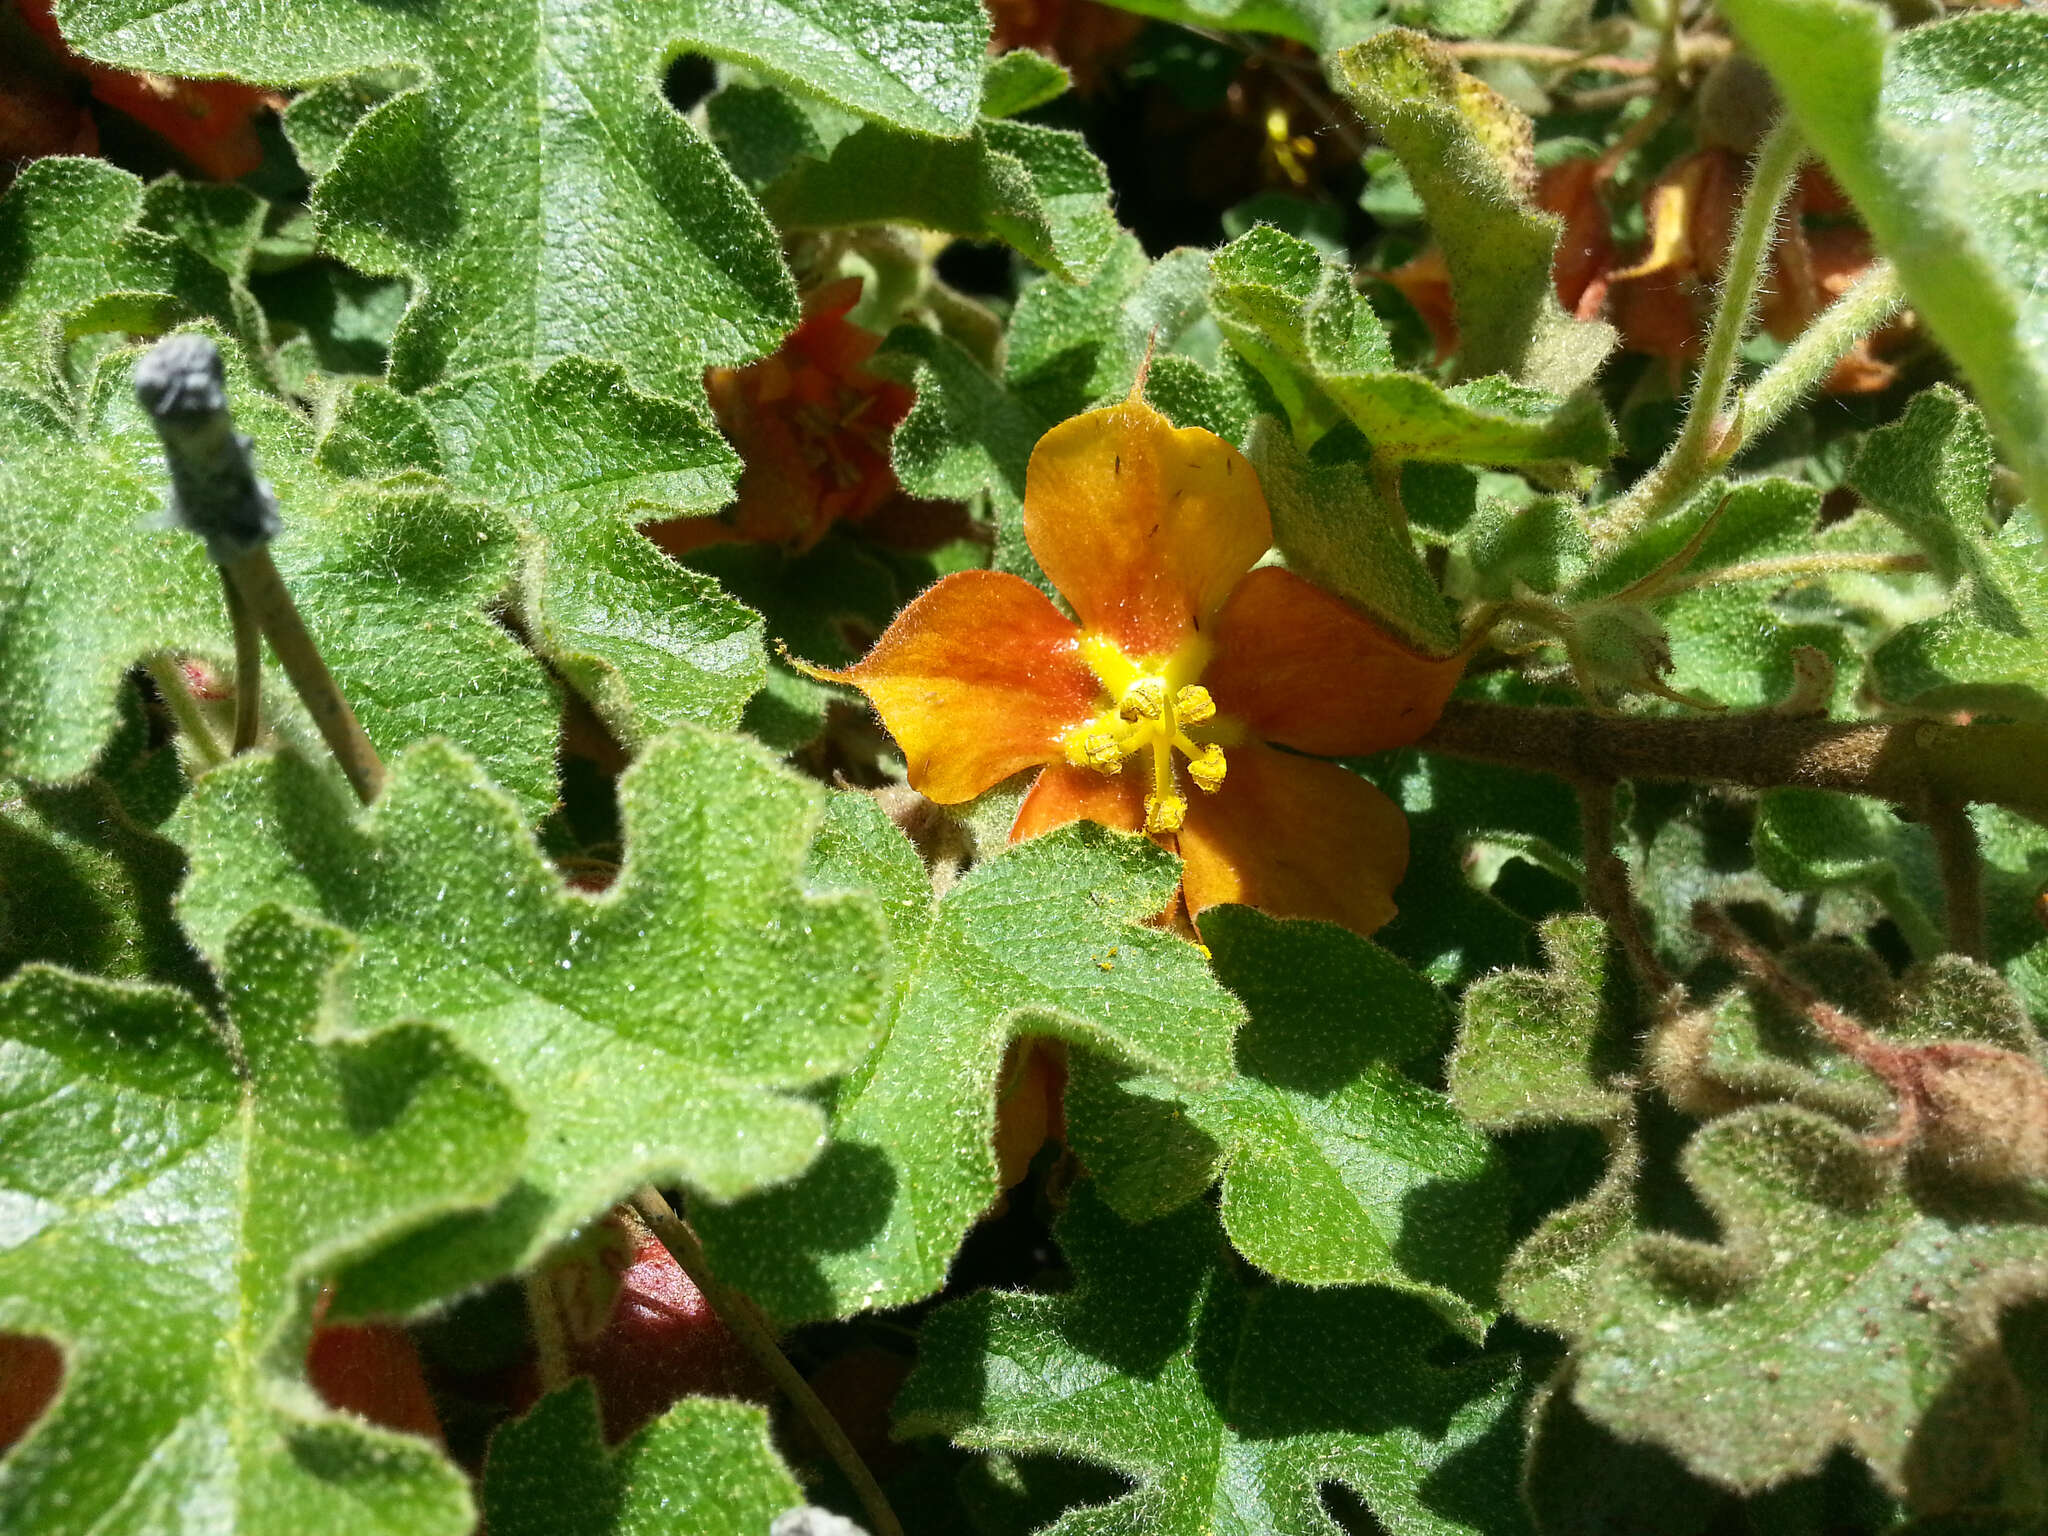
(1986, 1114)
(1737, 105)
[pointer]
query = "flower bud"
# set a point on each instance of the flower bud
(1986, 1113)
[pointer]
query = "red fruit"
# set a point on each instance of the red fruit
(31, 1370)
(657, 1341)
(373, 1370)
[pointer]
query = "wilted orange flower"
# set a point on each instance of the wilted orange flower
(812, 427)
(209, 122)
(1165, 708)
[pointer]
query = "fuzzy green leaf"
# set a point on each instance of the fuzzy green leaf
(1338, 1169)
(394, 584)
(1229, 1409)
(1295, 317)
(170, 1218)
(1337, 530)
(1930, 474)
(536, 186)
(580, 458)
(662, 1030)
(1020, 80)
(1470, 155)
(706, 1467)
(1037, 189)
(1844, 1308)
(1047, 938)
(1542, 1048)
(1940, 136)
(75, 258)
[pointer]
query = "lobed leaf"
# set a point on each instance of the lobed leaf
(1470, 155)
(1337, 1167)
(1046, 938)
(1295, 318)
(172, 1212)
(706, 1467)
(580, 458)
(394, 583)
(1541, 1048)
(1843, 1308)
(1227, 1408)
(664, 1030)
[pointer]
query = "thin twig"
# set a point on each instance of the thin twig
(1983, 762)
(1607, 886)
(1707, 429)
(1962, 875)
(248, 667)
(270, 602)
(1549, 55)
(739, 1313)
(550, 1339)
(169, 677)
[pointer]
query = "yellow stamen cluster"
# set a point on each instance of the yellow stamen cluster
(1153, 705)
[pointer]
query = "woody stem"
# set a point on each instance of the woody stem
(1701, 438)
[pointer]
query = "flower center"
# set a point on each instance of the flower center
(1153, 706)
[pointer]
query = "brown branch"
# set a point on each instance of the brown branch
(1962, 875)
(1911, 763)
(1607, 886)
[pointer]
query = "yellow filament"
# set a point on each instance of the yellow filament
(1154, 702)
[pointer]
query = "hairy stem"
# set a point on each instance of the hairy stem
(1962, 875)
(248, 667)
(739, 1313)
(1607, 886)
(1702, 439)
(1874, 299)
(1909, 763)
(1791, 567)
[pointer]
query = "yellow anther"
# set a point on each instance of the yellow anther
(1165, 813)
(1206, 769)
(1193, 705)
(1144, 700)
(1087, 748)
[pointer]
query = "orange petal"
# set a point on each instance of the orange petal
(978, 679)
(1297, 838)
(1308, 670)
(1064, 793)
(1144, 528)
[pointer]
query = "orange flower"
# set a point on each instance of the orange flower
(812, 426)
(1166, 707)
(209, 122)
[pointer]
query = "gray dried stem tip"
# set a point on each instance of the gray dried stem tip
(215, 490)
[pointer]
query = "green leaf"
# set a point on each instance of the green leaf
(1228, 1409)
(1930, 474)
(1843, 1308)
(663, 1030)
(1020, 80)
(1940, 136)
(1336, 529)
(74, 259)
(1808, 840)
(1730, 640)
(1040, 190)
(83, 885)
(1046, 938)
(1338, 1169)
(580, 458)
(394, 582)
(1545, 1048)
(536, 187)
(172, 1216)
(705, 1467)
(1296, 318)
(1470, 155)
